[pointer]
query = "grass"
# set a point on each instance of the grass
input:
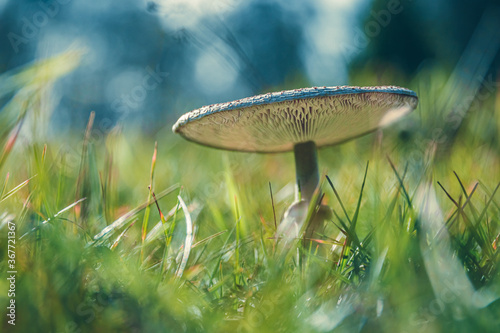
(117, 233)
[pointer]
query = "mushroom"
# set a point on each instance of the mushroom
(300, 120)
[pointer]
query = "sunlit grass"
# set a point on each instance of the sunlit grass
(412, 245)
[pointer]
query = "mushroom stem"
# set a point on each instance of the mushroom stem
(306, 169)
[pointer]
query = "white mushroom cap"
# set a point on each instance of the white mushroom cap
(275, 122)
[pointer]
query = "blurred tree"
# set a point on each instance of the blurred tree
(404, 33)
(271, 38)
(260, 41)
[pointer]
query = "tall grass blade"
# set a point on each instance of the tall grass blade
(15, 189)
(189, 238)
(147, 210)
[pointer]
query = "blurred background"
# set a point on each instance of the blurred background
(147, 62)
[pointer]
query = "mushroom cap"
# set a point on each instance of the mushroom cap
(275, 122)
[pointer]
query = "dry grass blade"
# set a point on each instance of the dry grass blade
(117, 241)
(53, 217)
(63, 210)
(122, 220)
(209, 238)
(326, 242)
(189, 238)
(15, 189)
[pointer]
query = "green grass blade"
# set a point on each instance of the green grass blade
(147, 210)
